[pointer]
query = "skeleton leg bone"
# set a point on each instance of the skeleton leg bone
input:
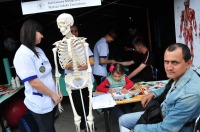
(90, 117)
(83, 109)
(77, 118)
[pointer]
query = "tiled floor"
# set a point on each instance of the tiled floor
(65, 120)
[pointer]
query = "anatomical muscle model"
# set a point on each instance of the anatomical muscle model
(188, 23)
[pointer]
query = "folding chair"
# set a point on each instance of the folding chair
(197, 125)
(155, 73)
(103, 78)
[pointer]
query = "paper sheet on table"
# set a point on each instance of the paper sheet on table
(2, 93)
(103, 101)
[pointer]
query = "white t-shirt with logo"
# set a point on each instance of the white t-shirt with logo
(28, 66)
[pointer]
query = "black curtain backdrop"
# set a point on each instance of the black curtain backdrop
(93, 22)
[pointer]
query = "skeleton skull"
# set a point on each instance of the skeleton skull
(64, 22)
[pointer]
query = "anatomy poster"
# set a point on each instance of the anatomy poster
(187, 26)
(36, 6)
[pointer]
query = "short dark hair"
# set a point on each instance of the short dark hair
(139, 41)
(185, 50)
(27, 34)
(112, 33)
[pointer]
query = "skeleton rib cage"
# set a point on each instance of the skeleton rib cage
(77, 56)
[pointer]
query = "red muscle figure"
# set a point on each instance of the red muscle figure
(188, 23)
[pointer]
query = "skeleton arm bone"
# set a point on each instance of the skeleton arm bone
(59, 92)
(89, 69)
(57, 75)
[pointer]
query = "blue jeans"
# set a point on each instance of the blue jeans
(120, 110)
(129, 120)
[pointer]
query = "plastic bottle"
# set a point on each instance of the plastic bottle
(17, 81)
(8, 129)
(13, 83)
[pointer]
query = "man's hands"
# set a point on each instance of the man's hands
(128, 49)
(145, 99)
(112, 90)
(113, 61)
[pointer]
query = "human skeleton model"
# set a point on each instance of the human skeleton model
(188, 23)
(73, 50)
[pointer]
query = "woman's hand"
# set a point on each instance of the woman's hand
(56, 98)
(60, 94)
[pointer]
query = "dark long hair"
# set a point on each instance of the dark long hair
(28, 34)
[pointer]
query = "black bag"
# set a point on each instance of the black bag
(152, 112)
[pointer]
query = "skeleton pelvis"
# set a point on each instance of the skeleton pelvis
(77, 80)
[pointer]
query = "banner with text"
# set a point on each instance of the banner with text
(187, 25)
(36, 6)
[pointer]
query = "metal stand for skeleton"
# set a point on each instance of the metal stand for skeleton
(74, 50)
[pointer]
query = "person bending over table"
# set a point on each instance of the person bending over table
(116, 79)
(181, 105)
(144, 72)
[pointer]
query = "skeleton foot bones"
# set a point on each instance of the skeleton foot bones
(73, 53)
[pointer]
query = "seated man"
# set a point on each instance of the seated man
(144, 72)
(181, 104)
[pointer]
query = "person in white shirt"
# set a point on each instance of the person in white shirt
(34, 69)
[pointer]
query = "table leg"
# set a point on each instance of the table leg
(1, 122)
(106, 119)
